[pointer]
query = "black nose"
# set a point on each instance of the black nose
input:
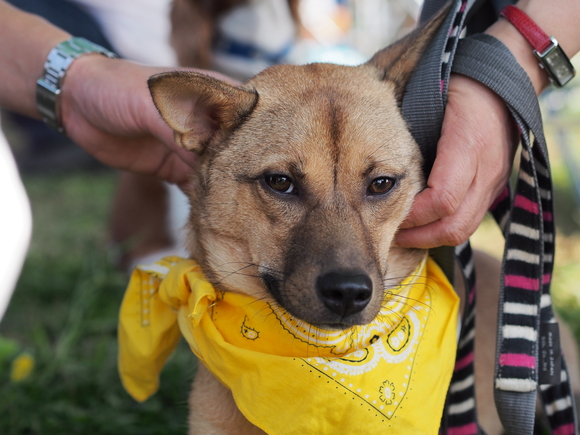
(344, 293)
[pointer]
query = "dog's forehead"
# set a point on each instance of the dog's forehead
(296, 82)
(324, 105)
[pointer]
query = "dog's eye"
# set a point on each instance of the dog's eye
(381, 185)
(280, 183)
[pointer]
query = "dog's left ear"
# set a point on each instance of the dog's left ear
(199, 108)
(398, 61)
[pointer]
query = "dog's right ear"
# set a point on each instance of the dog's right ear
(398, 61)
(198, 107)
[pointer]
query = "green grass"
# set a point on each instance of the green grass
(64, 312)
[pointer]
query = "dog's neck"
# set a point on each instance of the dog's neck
(402, 262)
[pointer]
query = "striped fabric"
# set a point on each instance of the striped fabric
(450, 46)
(522, 285)
(526, 220)
(526, 279)
(461, 418)
(461, 415)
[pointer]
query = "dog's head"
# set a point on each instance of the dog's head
(305, 174)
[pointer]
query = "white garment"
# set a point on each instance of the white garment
(264, 27)
(15, 224)
(138, 29)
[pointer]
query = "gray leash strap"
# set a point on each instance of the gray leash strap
(525, 309)
(525, 306)
(423, 108)
(423, 105)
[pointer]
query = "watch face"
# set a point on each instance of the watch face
(558, 66)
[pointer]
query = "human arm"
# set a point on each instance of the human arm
(105, 105)
(478, 139)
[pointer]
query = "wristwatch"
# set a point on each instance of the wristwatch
(546, 48)
(49, 85)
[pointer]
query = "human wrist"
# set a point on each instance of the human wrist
(57, 65)
(35, 70)
(522, 51)
(27, 40)
(558, 18)
(554, 19)
(80, 82)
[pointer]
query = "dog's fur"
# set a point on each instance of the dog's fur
(304, 172)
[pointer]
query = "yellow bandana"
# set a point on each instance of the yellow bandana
(290, 377)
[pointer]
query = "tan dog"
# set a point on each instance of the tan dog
(305, 174)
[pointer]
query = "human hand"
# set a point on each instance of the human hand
(106, 108)
(472, 166)
(478, 138)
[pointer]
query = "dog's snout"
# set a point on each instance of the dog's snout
(345, 293)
